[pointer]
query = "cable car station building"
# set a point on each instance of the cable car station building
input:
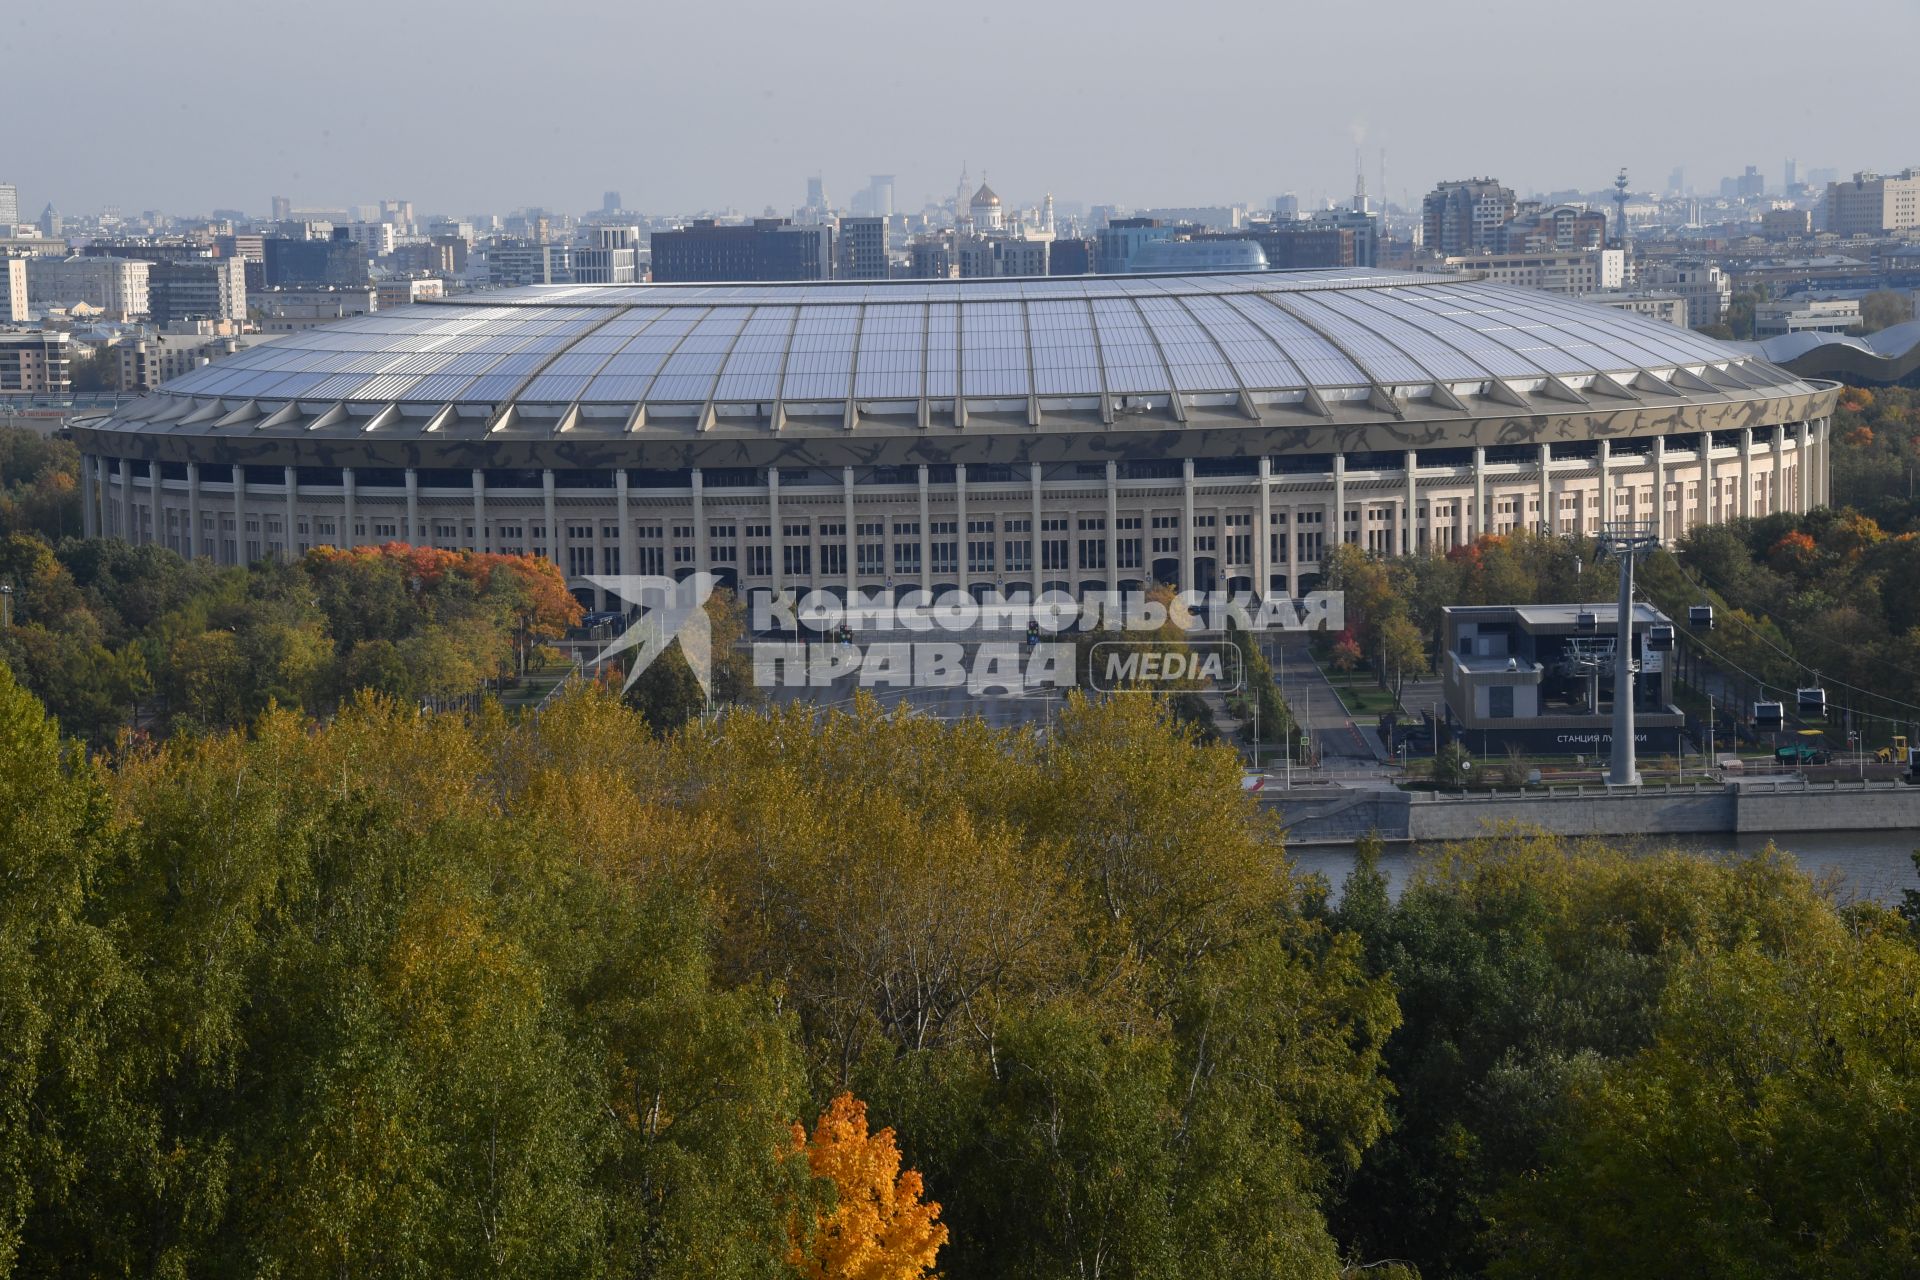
(1539, 678)
(1080, 433)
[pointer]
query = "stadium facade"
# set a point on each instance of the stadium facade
(1214, 431)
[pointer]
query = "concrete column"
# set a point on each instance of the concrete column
(1263, 543)
(88, 496)
(196, 541)
(1660, 487)
(926, 535)
(1745, 506)
(1339, 517)
(413, 537)
(1413, 504)
(479, 509)
(1188, 581)
(853, 544)
(961, 567)
(1777, 483)
(1033, 473)
(1549, 518)
(1113, 529)
(779, 556)
(1709, 482)
(700, 555)
(290, 481)
(1605, 462)
(126, 500)
(1801, 471)
(1478, 524)
(629, 551)
(556, 542)
(347, 537)
(239, 514)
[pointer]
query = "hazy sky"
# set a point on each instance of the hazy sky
(487, 106)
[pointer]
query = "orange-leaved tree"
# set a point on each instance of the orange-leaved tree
(878, 1227)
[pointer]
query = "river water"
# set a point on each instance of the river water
(1875, 865)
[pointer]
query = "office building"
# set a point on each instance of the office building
(15, 295)
(203, 289)
(35, 362)
(764, 249)
(294, 309)
(1537, 228)
(9, 208)
(1806, 313)
(1211, 431)
(145, 362)
(282, 209)
(117, 287)
(611, 256)
(1466, 217)
(880, 195)
(1572, 274)
(1873, 205)
(338, 260)
(404, 291)
(862, 248)
(514, 263)
(1707, 289)
(1668, 308)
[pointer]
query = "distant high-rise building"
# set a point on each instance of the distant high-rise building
(1677, 181)
(282, 209)
(610, 202)
(816, 192)
(862, 249)
(1872, 204)
(118, 286)
(1286, 208)
(198, 289)
(880, 195)
(765, 249)
(1791, 175)
(9, 205)
(51, 223)
(1465, 217)
(338, 261)
(613, 257)
(1750, 185)
(522, 262)
(13, 290)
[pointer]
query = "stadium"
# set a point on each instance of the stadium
(1079, 434)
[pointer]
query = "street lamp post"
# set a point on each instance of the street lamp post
(1627, 543)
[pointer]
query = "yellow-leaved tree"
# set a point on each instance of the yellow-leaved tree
(878, 1227)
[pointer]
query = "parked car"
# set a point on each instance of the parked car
(1799, 753)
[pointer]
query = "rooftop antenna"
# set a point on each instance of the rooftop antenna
(1359, 184)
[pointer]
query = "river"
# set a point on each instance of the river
(1875, 865)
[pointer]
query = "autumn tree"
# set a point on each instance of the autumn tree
(879, 1226)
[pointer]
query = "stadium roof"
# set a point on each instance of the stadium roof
(1262, 337)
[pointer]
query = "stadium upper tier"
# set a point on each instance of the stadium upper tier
(613, 359)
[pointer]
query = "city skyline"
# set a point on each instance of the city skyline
(1038, 108)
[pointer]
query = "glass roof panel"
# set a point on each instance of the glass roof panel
(1065, 361)
(943, 349)
(1254, 355)
(1398, 317)
(820, 360)
(1132, 362)
(993, 349)
(892, 340)
(1321, 363)
(1196, 363)
(1383, 361)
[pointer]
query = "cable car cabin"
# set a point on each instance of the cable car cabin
(1768, 715)
(1659, 639)
(1586, 622)
(1813, 702)
(1700, 616)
